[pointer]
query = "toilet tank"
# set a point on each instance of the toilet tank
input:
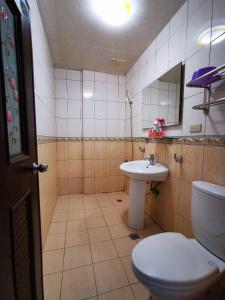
(208, 216)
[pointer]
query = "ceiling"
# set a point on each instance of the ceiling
(78, 39)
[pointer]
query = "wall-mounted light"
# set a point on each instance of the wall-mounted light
(216, 35)
(113, 12)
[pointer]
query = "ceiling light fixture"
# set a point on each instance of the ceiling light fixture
(113, 12)
(216, 35)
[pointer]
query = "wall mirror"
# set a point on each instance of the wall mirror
(163, 98)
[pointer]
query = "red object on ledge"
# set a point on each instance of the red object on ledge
(155, 134)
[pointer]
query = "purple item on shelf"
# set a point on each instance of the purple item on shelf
(201, 72)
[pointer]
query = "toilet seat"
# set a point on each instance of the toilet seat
(171, 261)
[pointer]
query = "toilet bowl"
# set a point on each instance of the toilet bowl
(173, 267)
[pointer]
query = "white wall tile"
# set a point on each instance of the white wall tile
(100, 110)
(162, 59)
(88, 75)
(60, 89)
(100, 90)
(74, 127)
(88, 90)
(163, 37)
(74, 89)
(100, 128)
(73, 75)
(112, 78)
(60, 73)
(179, 19)
(88, 127)
(177, 46)
(61, 125)
(112, 110)
(112, 128)
(112, 92)
(88, 109)
(61, 108)
(100, 76)
(74, 109)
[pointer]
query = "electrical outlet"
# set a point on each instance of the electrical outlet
(195, 128)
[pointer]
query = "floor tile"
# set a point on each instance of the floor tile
(76, 238)
(55, 241)
(92, 205)
(53, 261)
(98, 234)
(75, 206)
(76, 214)
(124, 245)
(78, 284)
(77, 257)
(126, 261)
(119, 230)
(95, 222)
(120, 294)
(103, 251)
(91, 213)
(113, 219)
(59, 217)
(108, 211)
(61, 206)
(109, 275)
(140, 292)
(52, 286)
(105, 203)
(57, 227)
(75, 225)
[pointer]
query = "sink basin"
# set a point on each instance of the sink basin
(139, 172)
(142, 170)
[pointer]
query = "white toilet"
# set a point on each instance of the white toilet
(173, 267)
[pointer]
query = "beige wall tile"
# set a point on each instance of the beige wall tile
(157, 210)
(100, 150)
(112, 184)
(128, 150)
(62, 167)
(184, 206)
(150, 148)
(100, 185)
(170, 193)
(75, 168)
(121, 150)
(89, 185)
(191, 168)
(174, 167)
(112, 149)
(89, 149)
(63, 186)
(112, 167)
(48, 186)
(89, 168)
(214, 165)
(75, 185)
(169, 220)
(184, 227)
(137, 154)
(62, 151)
(100, 167)
(160, 153)
(75, 150)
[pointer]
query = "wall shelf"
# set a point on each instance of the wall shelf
(205, 82)
(208, 78)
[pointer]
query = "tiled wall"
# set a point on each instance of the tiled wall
(90, 166)
(202, 160)
(45, 117)
(177, 42)
(90, 111)
(89, 104)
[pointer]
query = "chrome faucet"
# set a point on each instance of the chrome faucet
(151, 159)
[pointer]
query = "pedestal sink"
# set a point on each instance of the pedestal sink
(140, 171)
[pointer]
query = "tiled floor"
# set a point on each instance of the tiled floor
(87, 252)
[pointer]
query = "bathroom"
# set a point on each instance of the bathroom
(85, 211)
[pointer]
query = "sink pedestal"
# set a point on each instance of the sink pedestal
(136, 203)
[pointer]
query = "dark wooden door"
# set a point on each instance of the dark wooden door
(20, 238)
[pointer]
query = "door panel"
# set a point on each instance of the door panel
(20, 239)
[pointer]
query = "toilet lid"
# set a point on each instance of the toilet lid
(172, 258)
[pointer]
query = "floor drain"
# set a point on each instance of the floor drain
(119, 200)
(134, 236)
